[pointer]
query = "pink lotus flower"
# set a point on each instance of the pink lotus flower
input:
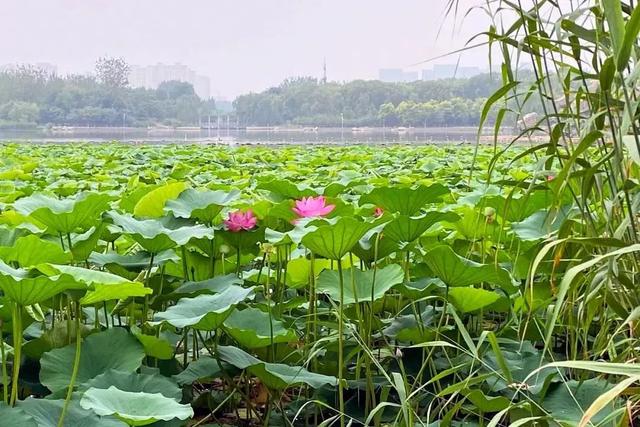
(238, 221)
(550, 178)
(378, 211)
(312, 207)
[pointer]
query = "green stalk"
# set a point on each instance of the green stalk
(5, 378)
(185, 349)
(147, 280)
(370, 401)
(238, 262)
(185, 267)
(106, 314)
(341, 346)
(76, 366)
(17, 351)
(267, 296)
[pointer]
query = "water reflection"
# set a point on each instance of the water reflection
(245, 136)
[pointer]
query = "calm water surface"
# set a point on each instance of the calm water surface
(232, 136)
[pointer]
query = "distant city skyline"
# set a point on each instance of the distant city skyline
(438, 71)
(243, 45)
(151, 76)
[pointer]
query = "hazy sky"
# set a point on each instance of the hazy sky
(242, 45)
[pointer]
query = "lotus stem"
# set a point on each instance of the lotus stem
(185, 271)
(76, 365)
(5, 377)
(341, 346)
(17, 351)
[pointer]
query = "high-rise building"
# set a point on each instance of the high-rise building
(397, 75)
(449, 71)
(391, 75)
(151, 76)
(410, 76)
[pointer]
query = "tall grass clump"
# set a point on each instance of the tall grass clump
(579, 118)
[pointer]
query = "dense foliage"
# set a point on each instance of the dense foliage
(279, 286)
(432, 286)
(307, 101)
(30, 97)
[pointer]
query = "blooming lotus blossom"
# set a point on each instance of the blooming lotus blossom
(310, 207)
(238, 221)
(550, 177)
(378, 211)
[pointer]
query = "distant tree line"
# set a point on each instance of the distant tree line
(30, 96)
(310, 102)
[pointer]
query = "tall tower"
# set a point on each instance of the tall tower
(324, 71)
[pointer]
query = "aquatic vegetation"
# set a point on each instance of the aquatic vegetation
(144, 285)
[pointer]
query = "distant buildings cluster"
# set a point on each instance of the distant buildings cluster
(151, 76)
(441, 71)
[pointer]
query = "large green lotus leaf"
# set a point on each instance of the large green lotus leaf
(252, 328)
(8, 233)
(108, 292)
(244, 240)
(455, 270)
(83, 244)
(487, 404)
(203, 367)
(65, 215)
(406, 229)
(567, 401)
(15, 417)
(46, 413)
(205, 312)
(420, 288)
(20, 286)
(293, 236)
(154, 346)
(210, 286)
(474, 225)
(31, 250)
(366, 247)
(20, 225)
(541, 224)
(385, 279)
(276, 213)
(126, 381)
(406, 328)
(467, 300)
(335, 240)
(134, 261)
(405, 201)
(114, 348)
(102, 286)
(58, 336)
(522, 358)
(285, 189)
(299, 270)
(157, 235)
(129, 200)
(519, 207)
(201, 205)
(274, 375)
(152, 204)
(136, 409)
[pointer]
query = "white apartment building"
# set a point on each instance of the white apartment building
(151, 76)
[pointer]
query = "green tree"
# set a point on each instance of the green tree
(113, 72)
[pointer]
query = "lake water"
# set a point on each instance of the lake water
(242, 136)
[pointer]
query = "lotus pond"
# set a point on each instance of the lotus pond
(195, 285)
